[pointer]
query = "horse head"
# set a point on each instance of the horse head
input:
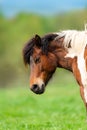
(42, 62)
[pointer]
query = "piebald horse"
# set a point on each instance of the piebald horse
(65, 49)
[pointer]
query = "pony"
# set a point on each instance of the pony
(66, 49)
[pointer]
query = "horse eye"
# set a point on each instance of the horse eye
(37, 60)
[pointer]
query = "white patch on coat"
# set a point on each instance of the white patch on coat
(85, 93)
(78, 42)
(76, 39)
(83, 73)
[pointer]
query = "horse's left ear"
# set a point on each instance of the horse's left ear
(37, 40)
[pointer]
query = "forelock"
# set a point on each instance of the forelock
(28, 51)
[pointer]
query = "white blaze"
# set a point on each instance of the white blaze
(36, 80)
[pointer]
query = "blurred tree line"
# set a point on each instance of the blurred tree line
(15, 32)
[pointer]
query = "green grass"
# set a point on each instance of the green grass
(59, 108)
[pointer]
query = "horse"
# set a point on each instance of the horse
(65, 49)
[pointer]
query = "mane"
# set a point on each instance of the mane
(74, 41)
(46, 42)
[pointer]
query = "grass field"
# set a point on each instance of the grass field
(59, 108)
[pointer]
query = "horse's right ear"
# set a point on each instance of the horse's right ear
(38, 41)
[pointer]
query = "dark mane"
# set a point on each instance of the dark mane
(45, 42)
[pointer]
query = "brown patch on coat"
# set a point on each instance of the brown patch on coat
(82, 95)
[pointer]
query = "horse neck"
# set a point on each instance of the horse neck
(62, 60)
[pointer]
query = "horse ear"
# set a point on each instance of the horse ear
(37, 40)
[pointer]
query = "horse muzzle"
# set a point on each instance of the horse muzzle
(38, 89)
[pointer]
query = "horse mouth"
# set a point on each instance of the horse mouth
(38, 89)
(39, 92)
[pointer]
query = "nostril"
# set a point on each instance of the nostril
(35, 86)
(43, 85)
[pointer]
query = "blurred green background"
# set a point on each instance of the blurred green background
(60, 107)
(15, 32)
